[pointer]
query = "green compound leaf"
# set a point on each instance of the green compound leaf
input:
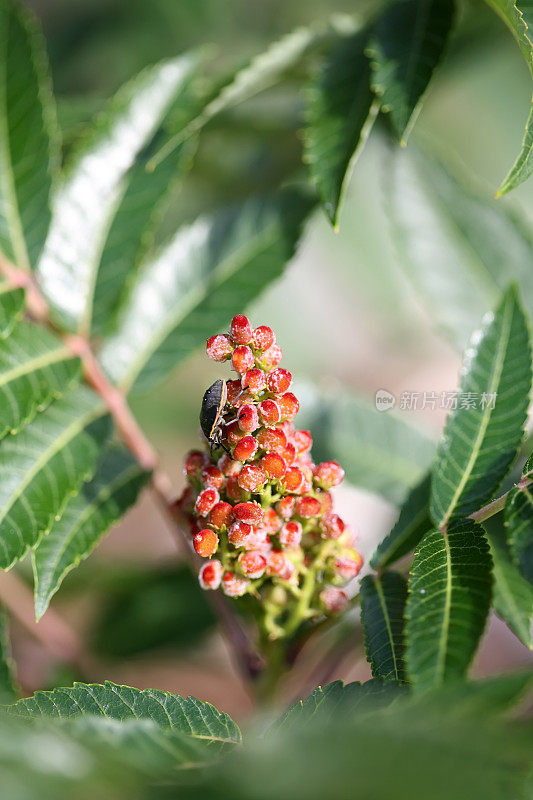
(193, 285)
(414, 521)
(519, 525)
(513, 594)
(334, 700)
(11, 308)
(448, 603)
(94, 186)
(383, 601)
(459, 249)
(43, 465)
(86, 518)
(35, 368)
(407, 45)
(340, 111)
(29, 152)
(481, 442)
(169, 712)
(523, 166)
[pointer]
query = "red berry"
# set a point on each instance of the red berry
(285, 507)
(234, 389)
(307, 507)
(233, 585)
(332, 525)
(205, 543)
(289, 453)
(274, 465)
(289, 405)
(240, 533)
(326, 502)
(254, 380)
(246, 449)
(234, 433)
(272, 357)
(251, 513)
(240, 329)
(328, 474)
(194, 461)
(219, 347)
(279, 380)
(234, 491)
(271, 521)
(334, 600)
(303, 441)
(291, 534)
(248, 418)
(270, 412)
(205, 501)
(272, 440)
(348, 568)
(253, 563)
(292, 480)
(242, 359)
(211, 477)
(221, 514)
(263, 337)
(228, 466)
(210, 574)
(252, 478)
(279, 565)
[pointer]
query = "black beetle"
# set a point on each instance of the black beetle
(213, 403)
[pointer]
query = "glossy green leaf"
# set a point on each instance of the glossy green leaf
(133, 229)
(481, 699)
(8, 689)
(87, 517)
(414, 521)
(333, 701)
(42, 466)
(383, 601)
(195, 283)
(35, 368)
(261, 73)
(519, 525)
(29, 152)
(448, 603)
(481, 442)
(519, 18)
(170, 712)
(523, 166)
(340, 111)
(406, 47)
(458, 248)
(94, 186)
(378, 450)
(11, 308)
(513, 594)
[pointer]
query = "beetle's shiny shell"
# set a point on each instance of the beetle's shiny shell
(213, 403)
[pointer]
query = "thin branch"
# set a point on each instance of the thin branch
(493, 508)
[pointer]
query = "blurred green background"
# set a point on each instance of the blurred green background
(344, 313)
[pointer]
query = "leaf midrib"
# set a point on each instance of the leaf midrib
(443, 639)
(224, 270)
(68, 434)
(38, 362)
(487, 411)
(388, 628)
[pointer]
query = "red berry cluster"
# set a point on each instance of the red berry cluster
(263, 508)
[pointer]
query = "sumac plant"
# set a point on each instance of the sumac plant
(104, 291)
